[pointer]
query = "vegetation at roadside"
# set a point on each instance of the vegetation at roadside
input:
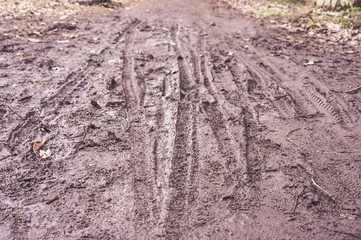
(298, 13)
(16, 8)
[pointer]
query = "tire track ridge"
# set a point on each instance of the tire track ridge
(165, 154)
(340, 115)
(72, 78)
(186, 81)
(216, 118)
(246, 189)
(181, 163)
(284, 107)
(179, 171)
(131, 98)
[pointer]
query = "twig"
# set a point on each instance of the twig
(84, 133)
(322, 190)
(5, 157)
(52, 199)
(201, 107)
(36, 154)
(296, 200)
(353, 89)
(302, 229)
(287, 135)
(349, 234)
(16, 113)
(128, 122)
(229, 196)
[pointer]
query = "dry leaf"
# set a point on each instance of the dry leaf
(44, 154)
(69, 35)
(310, 62)
(37, 33)
(121, 1)
(38, 145)
(63, 41)
(34, 40)
(42, 114)
(20, 54)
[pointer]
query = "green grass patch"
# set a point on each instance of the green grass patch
(344, 22)
(356, 10)
(296, 2)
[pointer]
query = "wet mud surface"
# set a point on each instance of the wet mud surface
(178, 120)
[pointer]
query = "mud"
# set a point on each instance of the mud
(177, 120)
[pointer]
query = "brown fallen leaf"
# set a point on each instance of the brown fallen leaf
(38, 145)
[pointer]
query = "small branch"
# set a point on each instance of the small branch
(287, 135)
(128, 122)
(84, 133)
(352, 90)
(16, 113)
(296, 200)
(52, 199)
(322, 190)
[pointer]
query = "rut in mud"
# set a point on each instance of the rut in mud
(177, 120)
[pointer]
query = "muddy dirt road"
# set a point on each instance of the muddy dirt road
(177, 120)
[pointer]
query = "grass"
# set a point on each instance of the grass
(344, 22)
(356, 10)
(271, 12)
(310, 22)
(295, 2)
